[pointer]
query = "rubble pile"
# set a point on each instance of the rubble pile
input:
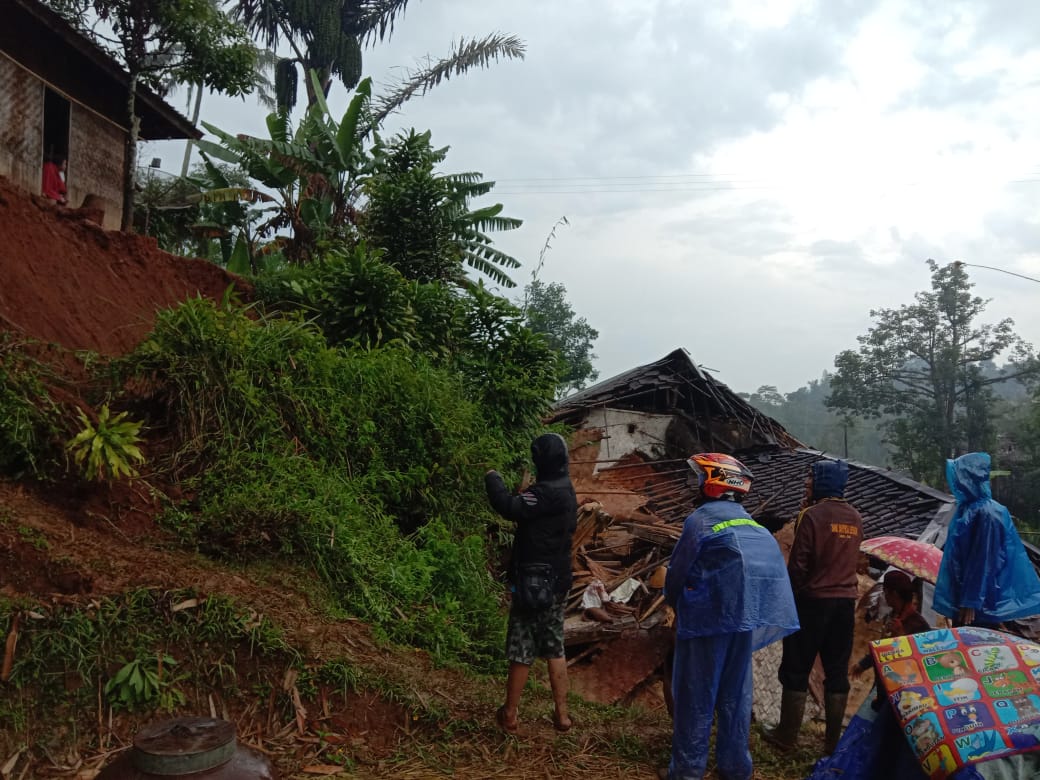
(617, 628)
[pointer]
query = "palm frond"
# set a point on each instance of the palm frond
(263, 19)
(497, 223)
(469, 177)
(489, 269)
(466, 55)
(372, 19)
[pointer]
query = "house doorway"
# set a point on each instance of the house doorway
(55, 126)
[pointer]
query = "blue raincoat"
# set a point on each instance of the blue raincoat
(728, 584)
(984, 565)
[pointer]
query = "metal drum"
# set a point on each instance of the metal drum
(196, 748)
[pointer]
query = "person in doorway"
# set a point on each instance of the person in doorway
(898, 590)
(546, 515)
(822, 567)
(731, 596)
(54, 180)
(985, 577)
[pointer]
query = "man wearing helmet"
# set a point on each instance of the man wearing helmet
(731, 595)
(822, 566)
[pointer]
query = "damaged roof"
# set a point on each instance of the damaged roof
(676, 385)
(891, 504)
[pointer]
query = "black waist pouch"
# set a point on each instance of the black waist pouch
(536, 586)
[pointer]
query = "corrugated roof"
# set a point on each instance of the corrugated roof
(890, 503)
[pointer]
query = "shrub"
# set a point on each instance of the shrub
(365, 463)
(109, 448)
(31, 422)
(430, 589)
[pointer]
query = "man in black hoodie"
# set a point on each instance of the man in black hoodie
(546, 516)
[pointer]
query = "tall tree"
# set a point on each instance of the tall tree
(804, 413)
(548, 312)
(423, 220)
(161, 42)
(923, 363)
(326, 36)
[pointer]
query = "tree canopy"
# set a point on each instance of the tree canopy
(549, 313)
(423, 220)
(163, 42)
(923, 364)
(327, 37)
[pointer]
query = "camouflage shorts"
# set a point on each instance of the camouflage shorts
(534, 635)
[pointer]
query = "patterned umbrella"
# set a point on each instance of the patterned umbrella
(917, 558)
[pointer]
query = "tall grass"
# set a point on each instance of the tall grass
(367, 464)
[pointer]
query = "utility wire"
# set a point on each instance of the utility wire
(620, 188)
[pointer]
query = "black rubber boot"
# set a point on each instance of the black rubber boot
(792, 710)
(834, 718)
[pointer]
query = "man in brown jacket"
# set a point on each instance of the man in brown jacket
(822, 567)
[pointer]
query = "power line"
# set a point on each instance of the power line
(680, 187)
(641, 176)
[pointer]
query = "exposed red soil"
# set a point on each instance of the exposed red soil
(68, 281)
(60, 556)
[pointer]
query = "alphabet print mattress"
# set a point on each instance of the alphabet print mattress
(962, 695)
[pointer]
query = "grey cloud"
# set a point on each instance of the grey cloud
(839, 255)
(644, 92)
(949, 32)
(942, 89)
(753, 229)
(915, 248)
(1014, 231)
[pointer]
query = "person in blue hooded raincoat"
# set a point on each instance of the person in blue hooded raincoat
(985, 577)
(728, 585)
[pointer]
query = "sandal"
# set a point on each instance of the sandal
(500, 719)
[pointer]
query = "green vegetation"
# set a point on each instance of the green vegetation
(326, 39)
(142, 652)
(422, 220)
(365, 462)
(109, 448)
(145, 684)
(548, 312)
(923, 366)
(32, 422)
(804, 412)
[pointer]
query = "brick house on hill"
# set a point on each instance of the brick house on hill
(62, 95)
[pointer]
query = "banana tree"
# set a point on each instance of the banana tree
(230, 214)
(315, 172)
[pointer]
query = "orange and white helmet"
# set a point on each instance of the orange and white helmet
(719, 474)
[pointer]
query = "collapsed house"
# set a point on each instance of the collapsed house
(632, 436)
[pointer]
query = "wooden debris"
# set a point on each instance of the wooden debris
(9, 648)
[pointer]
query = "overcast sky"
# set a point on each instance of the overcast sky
(746, 179)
